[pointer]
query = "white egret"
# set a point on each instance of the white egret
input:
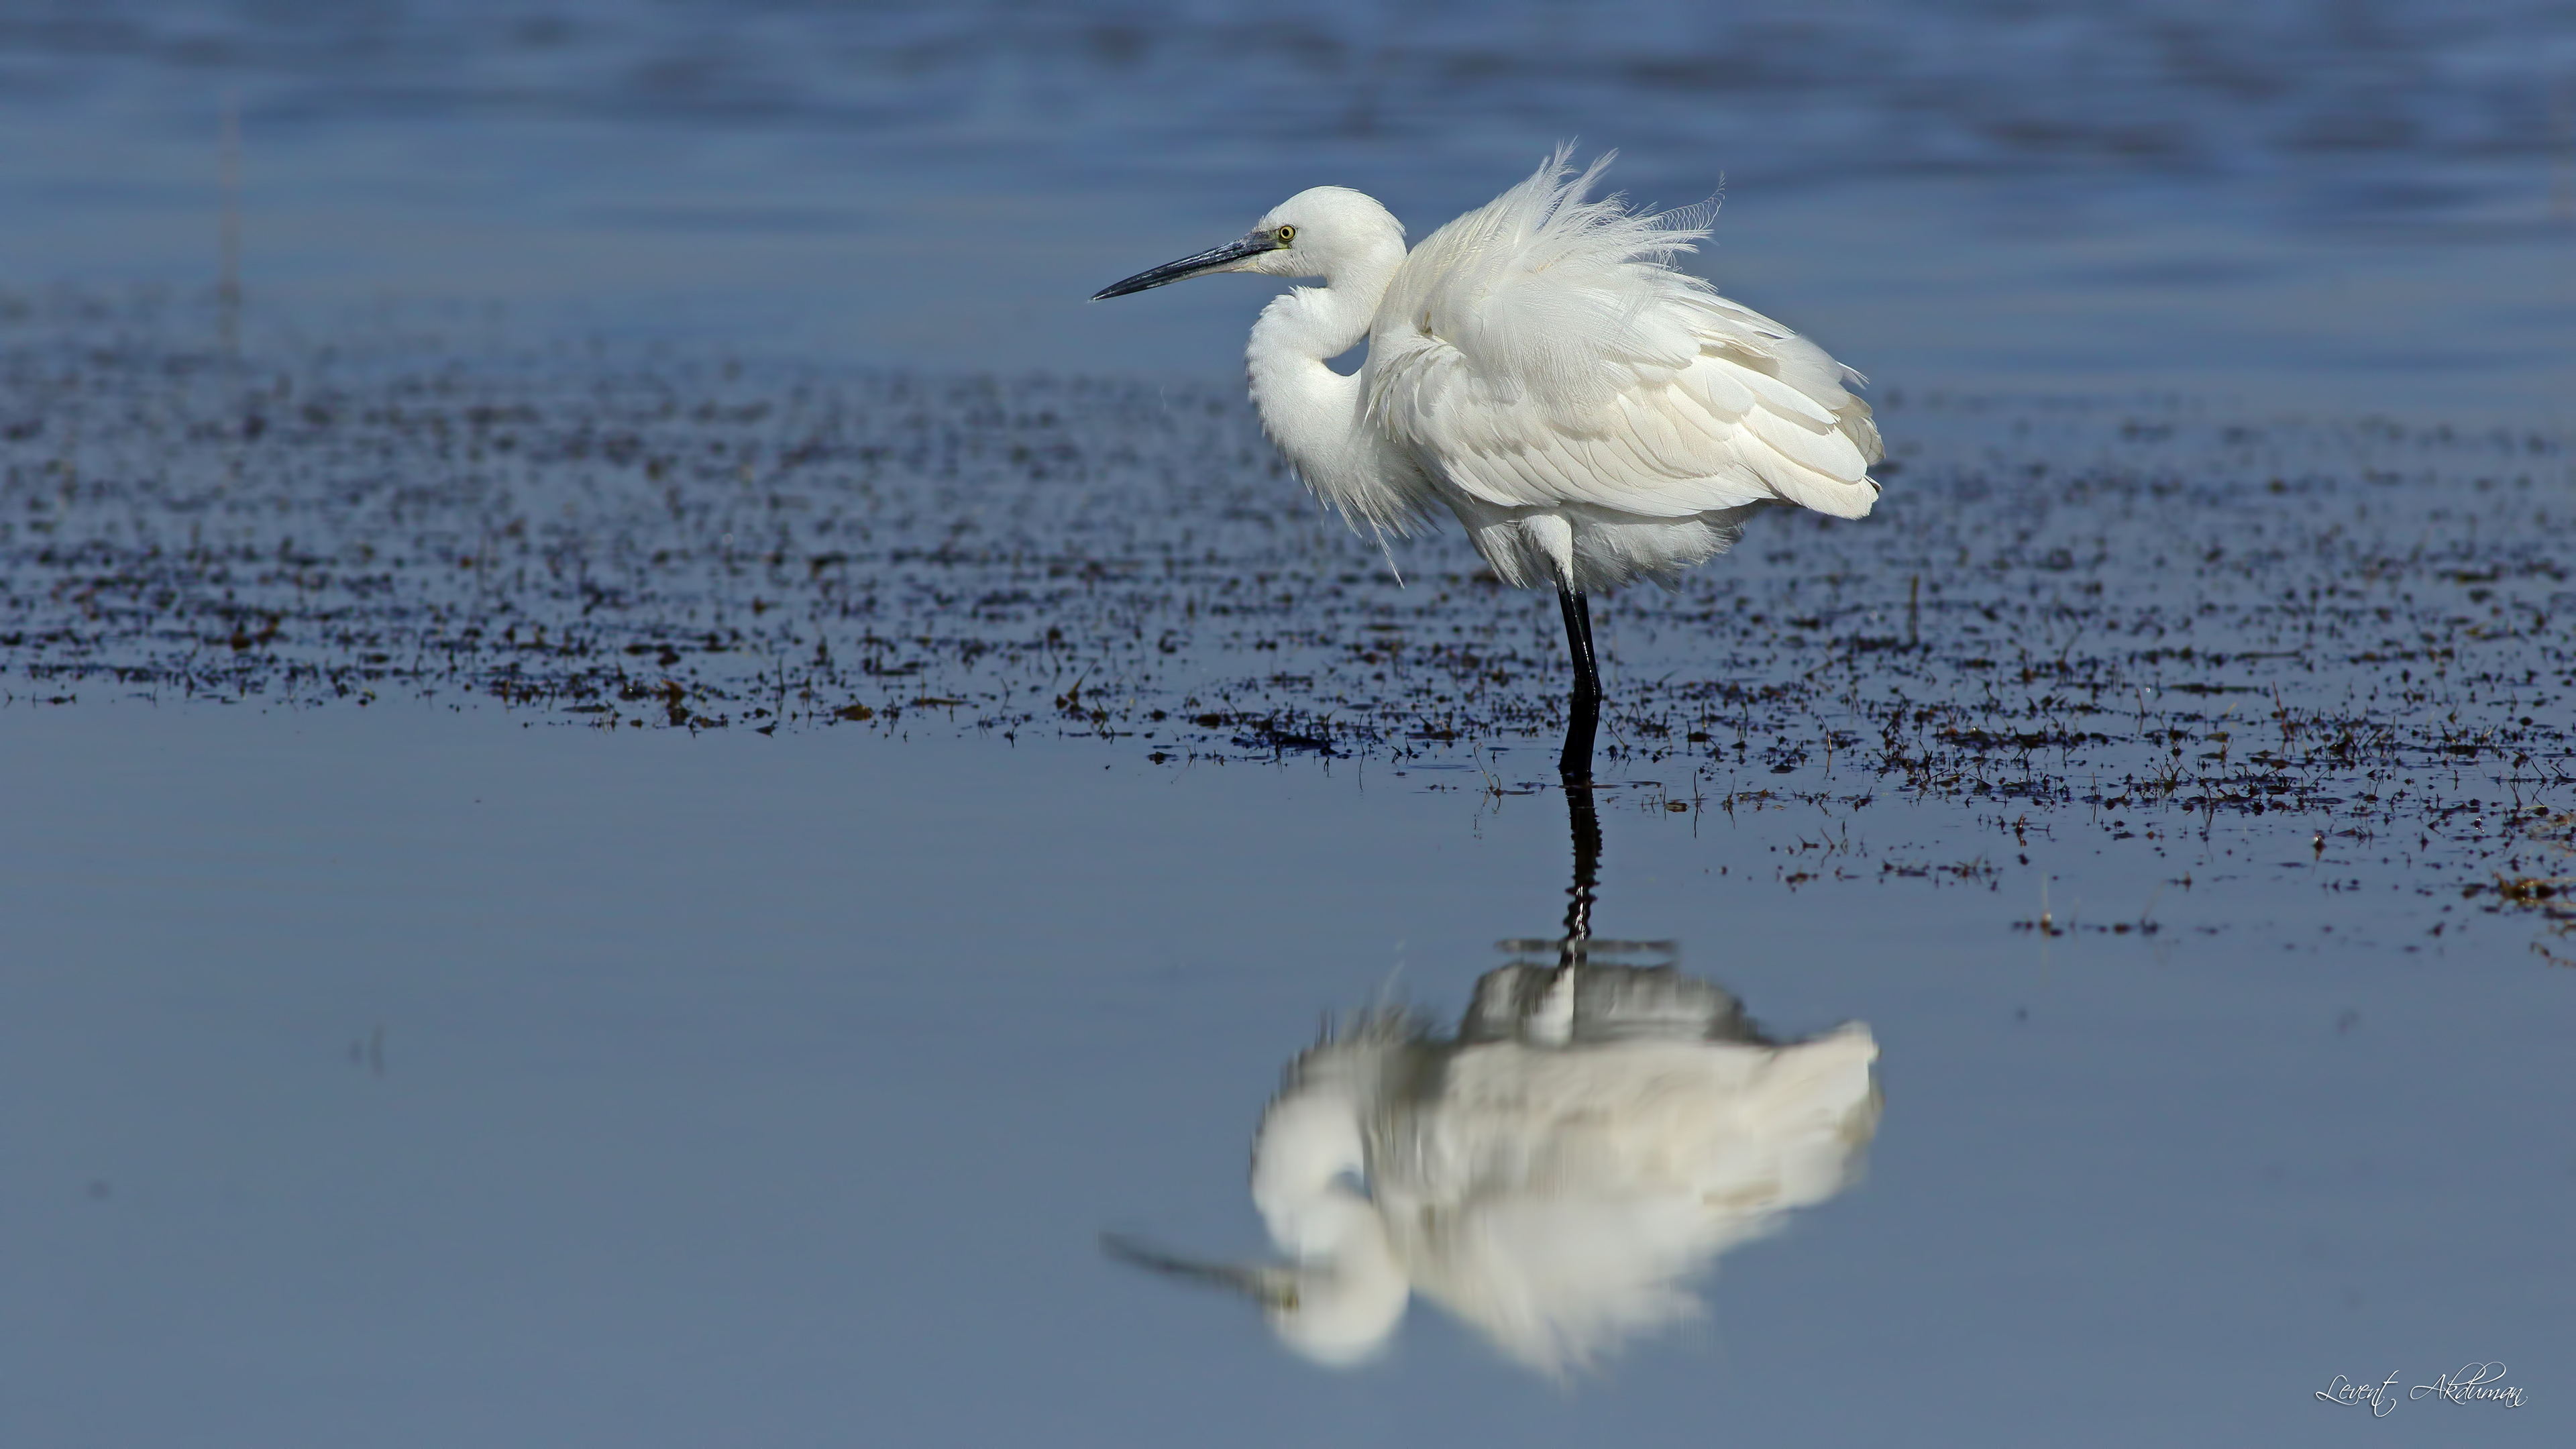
(1553, 1175)
(1539, 369)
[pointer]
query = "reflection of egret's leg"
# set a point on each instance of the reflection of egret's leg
(1574, 769)
(1586, 823)
(1552, 1022)
(1585, 716)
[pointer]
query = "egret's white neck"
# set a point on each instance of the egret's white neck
(1314, 414)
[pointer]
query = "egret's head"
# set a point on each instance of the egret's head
(1336, 1313)
(1311, 234)
(1342, 1291)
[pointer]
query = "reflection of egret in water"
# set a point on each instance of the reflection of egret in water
(1557, 1171)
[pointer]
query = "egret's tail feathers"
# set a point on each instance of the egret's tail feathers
(1840, 497)
(1830, 473)
(1862, 428)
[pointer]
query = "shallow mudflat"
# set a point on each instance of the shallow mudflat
(2106, 621)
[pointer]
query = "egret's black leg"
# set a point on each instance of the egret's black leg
(1585, 717)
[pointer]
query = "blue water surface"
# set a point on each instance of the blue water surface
(417, 1077)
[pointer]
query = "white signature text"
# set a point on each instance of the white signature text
(2476, 1383)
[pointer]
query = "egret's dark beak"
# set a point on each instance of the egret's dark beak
(1188, 267)
(1272, 1288)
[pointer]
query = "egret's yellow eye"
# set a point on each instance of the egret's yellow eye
(1287, 234)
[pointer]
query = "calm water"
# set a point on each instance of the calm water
(642, 1088)
(605, 839)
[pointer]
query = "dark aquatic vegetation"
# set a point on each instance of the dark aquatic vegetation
(2124, 620)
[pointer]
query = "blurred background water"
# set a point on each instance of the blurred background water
(383, 1061)
(2327, 205)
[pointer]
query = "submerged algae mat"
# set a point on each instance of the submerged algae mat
(2129, 611)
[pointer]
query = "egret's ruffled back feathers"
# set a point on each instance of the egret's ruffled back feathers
(1550, 301)
(1543, 353)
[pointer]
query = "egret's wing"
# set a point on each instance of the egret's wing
(1734, 1125)
(1543, 351)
